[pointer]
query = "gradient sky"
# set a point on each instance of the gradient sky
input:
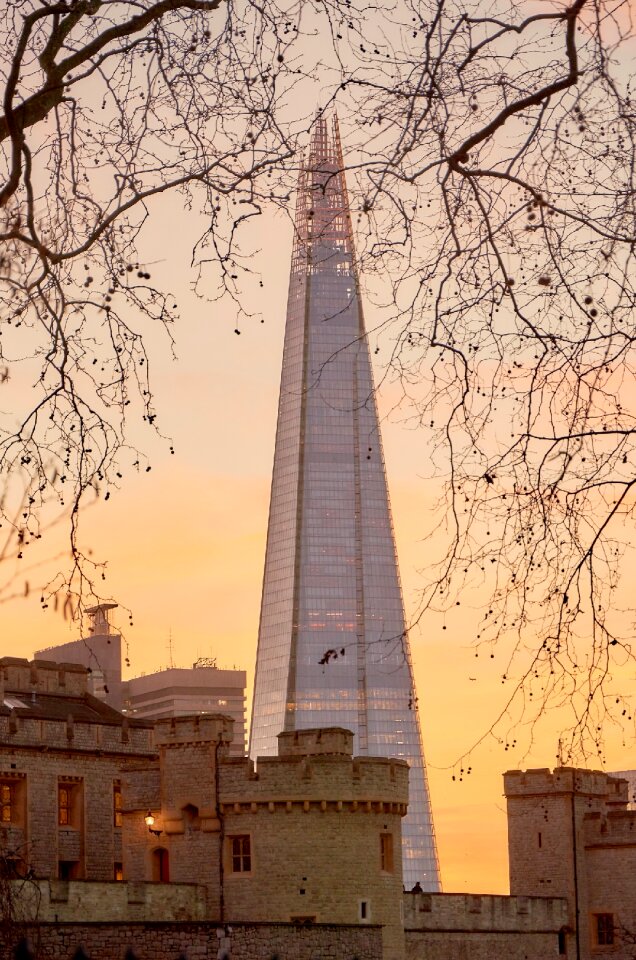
(185, 548)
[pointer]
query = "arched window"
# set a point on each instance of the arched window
(160, 865)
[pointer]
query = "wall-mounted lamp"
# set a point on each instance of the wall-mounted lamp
(149, 821)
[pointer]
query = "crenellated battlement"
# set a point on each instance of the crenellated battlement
(208, 729)
(320, 740)
(565, 780)
(29, 732)
(19, 675)
(612, 828)
(359, 783)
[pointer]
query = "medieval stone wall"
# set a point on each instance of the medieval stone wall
(201, 941)
(570, 834)
(456, 926)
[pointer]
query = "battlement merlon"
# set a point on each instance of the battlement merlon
(195, 729)
(565, 780)
(321, 777)
(19, 675)
(319, 740)
(610, 829)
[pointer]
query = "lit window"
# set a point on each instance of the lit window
(64, 805)
(604, 929)
(118, 871)
(6, 802)
(117, 805)
(386, 852)
(240, 854)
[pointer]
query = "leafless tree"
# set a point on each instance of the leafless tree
(494, 149)
(498, 178)
(107, 106)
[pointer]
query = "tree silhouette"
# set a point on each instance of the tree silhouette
(108, 106)
(493, 147)
(500, 198)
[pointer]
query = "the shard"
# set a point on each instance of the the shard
(332, 646)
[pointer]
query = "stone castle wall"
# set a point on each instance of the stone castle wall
(199, 941)
(74, 901)
(313, 819)
(570, 834)
(455, 926)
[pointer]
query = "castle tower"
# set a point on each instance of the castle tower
(332, 648)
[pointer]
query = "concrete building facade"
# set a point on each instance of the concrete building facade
(100, 653)
(171, 692)
(201, 689)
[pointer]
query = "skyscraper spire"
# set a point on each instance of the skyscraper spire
(332, 646)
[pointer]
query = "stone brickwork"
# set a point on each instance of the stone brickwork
(201, 941)
(571, 835)
(53, 735)
(74, 901)
(314, 823)
(455, 926)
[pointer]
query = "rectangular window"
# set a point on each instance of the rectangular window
(117, 805)
(6, 802)
(240, 854)
(118, 871)
(386, 852)
(604, 929)
(64, 805)
(67, 869)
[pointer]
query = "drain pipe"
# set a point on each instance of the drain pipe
(576, 876)
(219, 813)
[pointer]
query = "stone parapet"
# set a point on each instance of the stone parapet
(359, 783)
(562, 780)
(208, 729)
(73, 901)
(18, 674)
(34, 734)
(485, 912)
(616, 827)
(328, 740)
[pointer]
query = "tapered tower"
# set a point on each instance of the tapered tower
(332, 646)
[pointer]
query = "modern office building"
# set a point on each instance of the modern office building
(100, 652)
(180, 692)
(172, 692)
(333, 648)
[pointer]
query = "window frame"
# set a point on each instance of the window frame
(65, 809)
(239, 856)
(387, 858)
(604, 930)
(72, 787)
(7, 805)
(118, 810)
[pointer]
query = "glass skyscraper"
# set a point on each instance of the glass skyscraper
(332, 646)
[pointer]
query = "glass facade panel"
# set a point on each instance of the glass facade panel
(332, 647)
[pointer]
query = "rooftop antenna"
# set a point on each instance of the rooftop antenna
(170, 657)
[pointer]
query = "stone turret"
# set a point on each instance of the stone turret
(313, 835)
(560, 824)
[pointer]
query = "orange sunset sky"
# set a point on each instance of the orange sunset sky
(185, 546)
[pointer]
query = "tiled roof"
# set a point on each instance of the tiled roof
(49, 706)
